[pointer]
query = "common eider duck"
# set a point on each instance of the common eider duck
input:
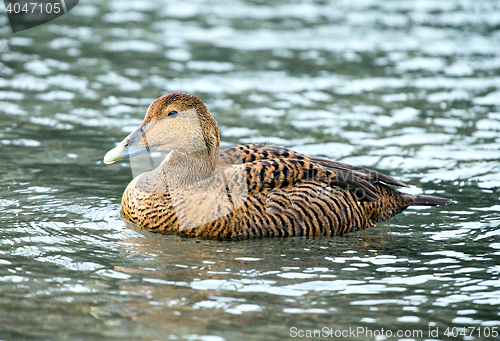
(246, 191)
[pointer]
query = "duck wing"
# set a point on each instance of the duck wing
(256, 152)
(262, 176)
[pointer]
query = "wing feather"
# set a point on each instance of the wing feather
(263, 176)
(259, 152)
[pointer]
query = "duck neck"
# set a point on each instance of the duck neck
(188, 168)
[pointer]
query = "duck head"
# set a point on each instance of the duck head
(176, 121)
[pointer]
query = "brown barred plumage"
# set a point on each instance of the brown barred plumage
(249, 190)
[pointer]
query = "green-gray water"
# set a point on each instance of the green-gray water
(410, 88)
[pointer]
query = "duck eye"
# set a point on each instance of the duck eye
(172, 113)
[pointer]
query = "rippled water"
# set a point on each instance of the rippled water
(410, 88)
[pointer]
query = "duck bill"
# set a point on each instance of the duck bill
(134, 144)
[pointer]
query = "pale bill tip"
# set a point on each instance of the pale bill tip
(108, 158)
(114, 154)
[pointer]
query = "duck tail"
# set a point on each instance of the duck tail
(427, 200)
